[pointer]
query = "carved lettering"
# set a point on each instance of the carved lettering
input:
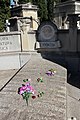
(3, 38)
(3, 48)
(49, 45)
(5, 42)
(10, 43)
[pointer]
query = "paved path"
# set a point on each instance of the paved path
(52, 106)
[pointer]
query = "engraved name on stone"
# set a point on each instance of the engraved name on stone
(4, 42)
(55, 44)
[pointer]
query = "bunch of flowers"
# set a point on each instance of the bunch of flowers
(51, 72)
(28, 91)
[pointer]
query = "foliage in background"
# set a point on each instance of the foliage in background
(4, 13)
(45, 11)
(50, 8)
(24, 1)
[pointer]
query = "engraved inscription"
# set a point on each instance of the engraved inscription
(4, 43)
(47, 45)
(10, 43)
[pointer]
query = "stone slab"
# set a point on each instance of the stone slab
(52, 106)
(73, 102)
(10, 42)
(73, 108)
(13, 60)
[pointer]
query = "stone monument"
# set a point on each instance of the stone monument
(26, 10)
(63, 9)
(19, 36)
(47, 36)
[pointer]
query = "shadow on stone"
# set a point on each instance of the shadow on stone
(74, 79)
(73, 75)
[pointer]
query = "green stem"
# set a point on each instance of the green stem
(27, 101)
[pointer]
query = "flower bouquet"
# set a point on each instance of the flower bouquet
(28, 91)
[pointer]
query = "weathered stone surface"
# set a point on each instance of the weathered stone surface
(52, 106)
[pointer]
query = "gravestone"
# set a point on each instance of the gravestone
(47, 36)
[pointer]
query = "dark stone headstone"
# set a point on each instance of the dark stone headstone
(47, 31)
(47, 36)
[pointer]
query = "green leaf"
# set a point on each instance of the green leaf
(41, 80)
(25, 80)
